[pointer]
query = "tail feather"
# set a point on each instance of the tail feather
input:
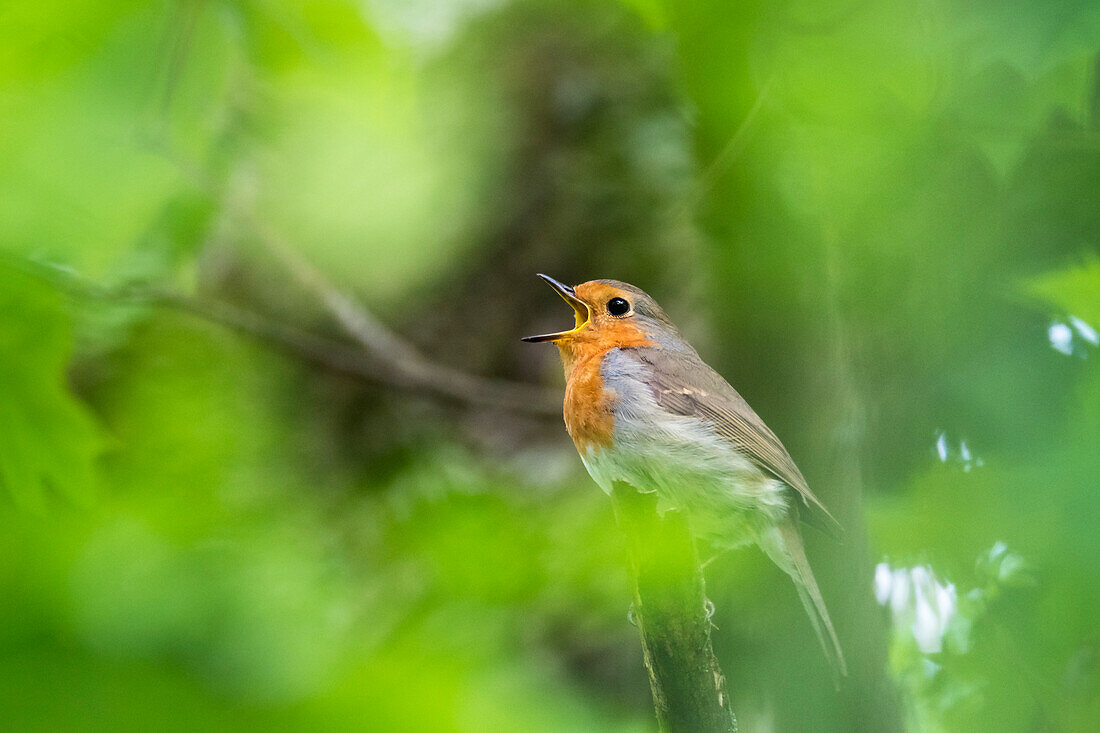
(810, 595)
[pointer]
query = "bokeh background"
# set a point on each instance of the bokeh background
(273, 457)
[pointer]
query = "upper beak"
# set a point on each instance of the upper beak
(580, 311)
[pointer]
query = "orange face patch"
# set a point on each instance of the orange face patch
(588, 403)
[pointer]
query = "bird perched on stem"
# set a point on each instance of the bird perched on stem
(644, 409)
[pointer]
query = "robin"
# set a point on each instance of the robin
(644, 409)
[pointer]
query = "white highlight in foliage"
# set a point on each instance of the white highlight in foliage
(1085, 331)
(1061, 337)
(424, 22)
(963, 454)
(941, 446)
(1072, 337)
(917, 601)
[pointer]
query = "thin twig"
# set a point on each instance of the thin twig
(420, 377)
(400, 357)
(730, 152)
(400, 362)
(356, 321)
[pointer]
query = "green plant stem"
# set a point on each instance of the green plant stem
(689, 689)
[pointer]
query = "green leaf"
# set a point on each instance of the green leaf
(48, 441)
(105, 107)
(1075, 290)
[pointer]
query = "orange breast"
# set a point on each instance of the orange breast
(589, 404)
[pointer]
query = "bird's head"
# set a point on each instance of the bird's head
(607, 314)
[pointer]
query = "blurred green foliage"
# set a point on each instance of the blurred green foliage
(879, 220)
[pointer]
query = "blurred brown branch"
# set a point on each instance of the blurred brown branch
(406, 366)
(383, 358)
(355, 320)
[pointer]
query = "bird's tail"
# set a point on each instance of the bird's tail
(798, 567)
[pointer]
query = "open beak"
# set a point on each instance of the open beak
(580, 312)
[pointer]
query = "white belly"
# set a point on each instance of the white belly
(727, 498)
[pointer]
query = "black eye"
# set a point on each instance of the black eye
(618, 307)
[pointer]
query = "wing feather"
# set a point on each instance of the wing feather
(683, 384)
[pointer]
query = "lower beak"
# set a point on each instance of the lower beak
(580, 311)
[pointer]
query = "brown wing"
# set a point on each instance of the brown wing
(683, 384)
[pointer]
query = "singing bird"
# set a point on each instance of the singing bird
(644, 409)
